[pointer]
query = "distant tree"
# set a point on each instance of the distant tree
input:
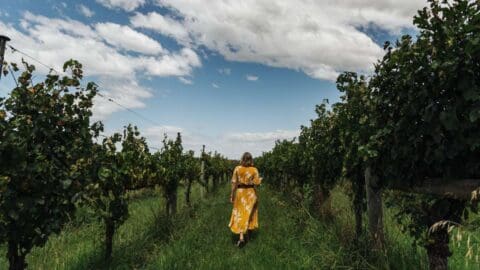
(172, 160)
(192, 173)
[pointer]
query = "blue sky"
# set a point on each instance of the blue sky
(234, 75)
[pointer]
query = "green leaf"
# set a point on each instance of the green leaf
(67, 183)
(13, 214)
(474, 115)
(449, 120)
(40, 201)
(471, 94)
(104, 173)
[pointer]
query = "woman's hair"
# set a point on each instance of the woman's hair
(247, 160)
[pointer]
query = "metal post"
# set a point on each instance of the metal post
(3, 42)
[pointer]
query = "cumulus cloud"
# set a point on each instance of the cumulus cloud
(251, 78)
(176, 64)
(124, 37)
(214, 85)
(53, 41)
(85, 11)
(162, 24)
(390, 15)
(127, 92)
(320, 38)
(127, 5)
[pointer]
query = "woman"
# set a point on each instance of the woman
(244, 198)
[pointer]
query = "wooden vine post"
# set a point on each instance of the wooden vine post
(202, 170)
(461, 189)
(374, 209)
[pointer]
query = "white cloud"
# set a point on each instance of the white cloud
(225, 71)
(390, 15)
(127, 92)
(124, 37)
(232, 145)
(235, 144)
(190, 141)
(251, 78)
(127, 5)
(162, 24)
(53, 41)
(261, 136)
(320, 38)
(85, 11)
(177, 64)
(157, 133)
(214, 85)
(185, 80)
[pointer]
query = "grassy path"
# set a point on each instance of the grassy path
(286, 239)
(199, 238)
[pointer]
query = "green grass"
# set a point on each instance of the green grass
(460, 247)
(199, 238)
(287, 239)
(82, 247)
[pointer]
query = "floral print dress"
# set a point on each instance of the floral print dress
(245, 212)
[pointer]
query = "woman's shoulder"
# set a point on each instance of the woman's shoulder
(249, 168)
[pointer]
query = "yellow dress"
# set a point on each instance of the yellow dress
(245, 211)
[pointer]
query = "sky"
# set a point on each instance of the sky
(235, 75)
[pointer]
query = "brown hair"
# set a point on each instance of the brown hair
(247, 160)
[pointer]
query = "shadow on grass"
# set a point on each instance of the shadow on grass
(133, 254)
(249, 237)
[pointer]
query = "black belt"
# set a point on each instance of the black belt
(245, 186)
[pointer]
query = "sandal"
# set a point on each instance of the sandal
(240, 243)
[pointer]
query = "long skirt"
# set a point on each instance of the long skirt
(245, 211)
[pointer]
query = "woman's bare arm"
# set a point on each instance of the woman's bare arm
(234, 185)
(232, 192)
